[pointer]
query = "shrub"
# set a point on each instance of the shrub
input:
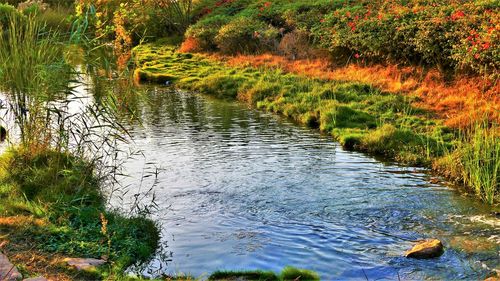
(205, 31)
(296, 45)
(244, 35)
(130, 21)
(190, 45)
(51, 3)
(450, 35)
(447, 35)
(56, 19)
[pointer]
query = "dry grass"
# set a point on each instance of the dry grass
(459, 102)
(20, 250)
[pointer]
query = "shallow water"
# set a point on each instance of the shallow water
(243, 189)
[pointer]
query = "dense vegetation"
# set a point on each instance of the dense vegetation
(455, 36)
(55, 173)
(452, 35)
(54, 201)
(53, 180)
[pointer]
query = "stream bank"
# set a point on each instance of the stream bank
(358, 115)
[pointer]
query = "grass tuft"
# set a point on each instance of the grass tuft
(293, 274)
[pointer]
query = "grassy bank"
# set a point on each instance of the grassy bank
(360, 116)
(53, 208)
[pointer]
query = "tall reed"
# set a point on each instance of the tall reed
(178, 13)
(40, 84)
(32, 72)
(479, 152)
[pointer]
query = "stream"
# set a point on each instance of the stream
(244, 189)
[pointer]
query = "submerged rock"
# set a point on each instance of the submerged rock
(426, 249)
(84, 264)
(8, 272)
(474, 245)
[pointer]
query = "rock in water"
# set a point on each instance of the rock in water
(8, 272)
(426, 249)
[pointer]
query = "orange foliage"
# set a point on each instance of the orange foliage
(459, 102)
(190, 45)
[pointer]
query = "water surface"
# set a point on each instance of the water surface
(243, 189)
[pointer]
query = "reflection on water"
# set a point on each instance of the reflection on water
(242, 189)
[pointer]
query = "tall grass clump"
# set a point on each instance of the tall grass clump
(479, 152)
(32, 71)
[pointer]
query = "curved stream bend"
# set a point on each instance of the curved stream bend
(242, 189)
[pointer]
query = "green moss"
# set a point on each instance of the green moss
(287, 274)
(291, 274)
(256, 275)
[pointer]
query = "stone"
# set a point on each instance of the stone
(39, 278)
(426, 249)
(8, 272)
(81, 264)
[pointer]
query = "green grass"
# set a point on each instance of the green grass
(476, 161)
(480, 154)
(358, 115)
(62, 191)
(256, 275)
(287, 274)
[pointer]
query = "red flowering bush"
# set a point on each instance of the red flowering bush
(453, 35)
(461, 36)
